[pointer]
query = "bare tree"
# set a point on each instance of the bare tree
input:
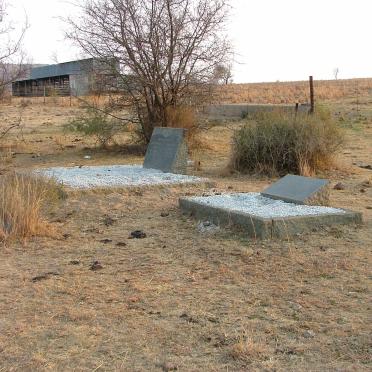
(11, 54)
(223, 74)
(166, 50)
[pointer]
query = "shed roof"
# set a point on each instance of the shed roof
(60, 69)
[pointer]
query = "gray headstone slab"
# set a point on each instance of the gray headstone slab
(167, 151)
(299, 190)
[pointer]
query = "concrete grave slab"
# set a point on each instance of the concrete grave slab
(107, 176)
(299, 190)
(263, 217)
(167, 151)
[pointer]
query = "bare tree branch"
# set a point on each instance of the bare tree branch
(12, 57)
(167, 50)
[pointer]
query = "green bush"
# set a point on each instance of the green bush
(96, 124)
(277, 143)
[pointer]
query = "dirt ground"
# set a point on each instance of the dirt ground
(180, 299)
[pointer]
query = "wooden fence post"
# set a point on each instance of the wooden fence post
(312, 100)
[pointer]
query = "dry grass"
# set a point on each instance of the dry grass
(185, 117)
(291, 92)
(22, 198)
(277, 143)
(247, 350)
(179, 298)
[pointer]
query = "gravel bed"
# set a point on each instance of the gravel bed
(114, 176)
(257, 205)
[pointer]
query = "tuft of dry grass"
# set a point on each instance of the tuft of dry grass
(247, 350)
(22, 199)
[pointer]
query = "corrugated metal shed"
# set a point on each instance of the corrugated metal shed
(61, 69)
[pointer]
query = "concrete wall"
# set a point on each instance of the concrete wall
(238, 111)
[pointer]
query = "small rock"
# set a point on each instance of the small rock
(96, 265)
(363, 190)
(164, 214)
(207, 227)
(87, 157)
(309, 334)
(229, 187)
(74, 262)
(137, 234)
(121, 244)
(369, 207)
(339, 186)
(66, 236)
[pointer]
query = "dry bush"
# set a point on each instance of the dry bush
(277, 143)
(22, 199)
(185, 117)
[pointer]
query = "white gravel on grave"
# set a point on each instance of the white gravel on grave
(114, 176)
(257, 205)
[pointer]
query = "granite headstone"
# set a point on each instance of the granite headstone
(299, 190)
(167, 151)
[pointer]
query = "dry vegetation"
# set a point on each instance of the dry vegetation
(292, 92)
(180, 299)
(277, 143)
(22, 199)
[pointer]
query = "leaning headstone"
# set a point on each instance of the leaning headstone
(167, 151)
(299, 190)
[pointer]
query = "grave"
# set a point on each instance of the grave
(285, 209)
(165, 164)
(167, 151)
(299, 190)
(106, 176)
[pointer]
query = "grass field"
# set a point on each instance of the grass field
(292, 92)
(180, 299)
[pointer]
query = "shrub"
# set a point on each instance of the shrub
(277, 143)
(22, 198)
(97, 124)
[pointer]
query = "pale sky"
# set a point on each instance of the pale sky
(273, 39)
